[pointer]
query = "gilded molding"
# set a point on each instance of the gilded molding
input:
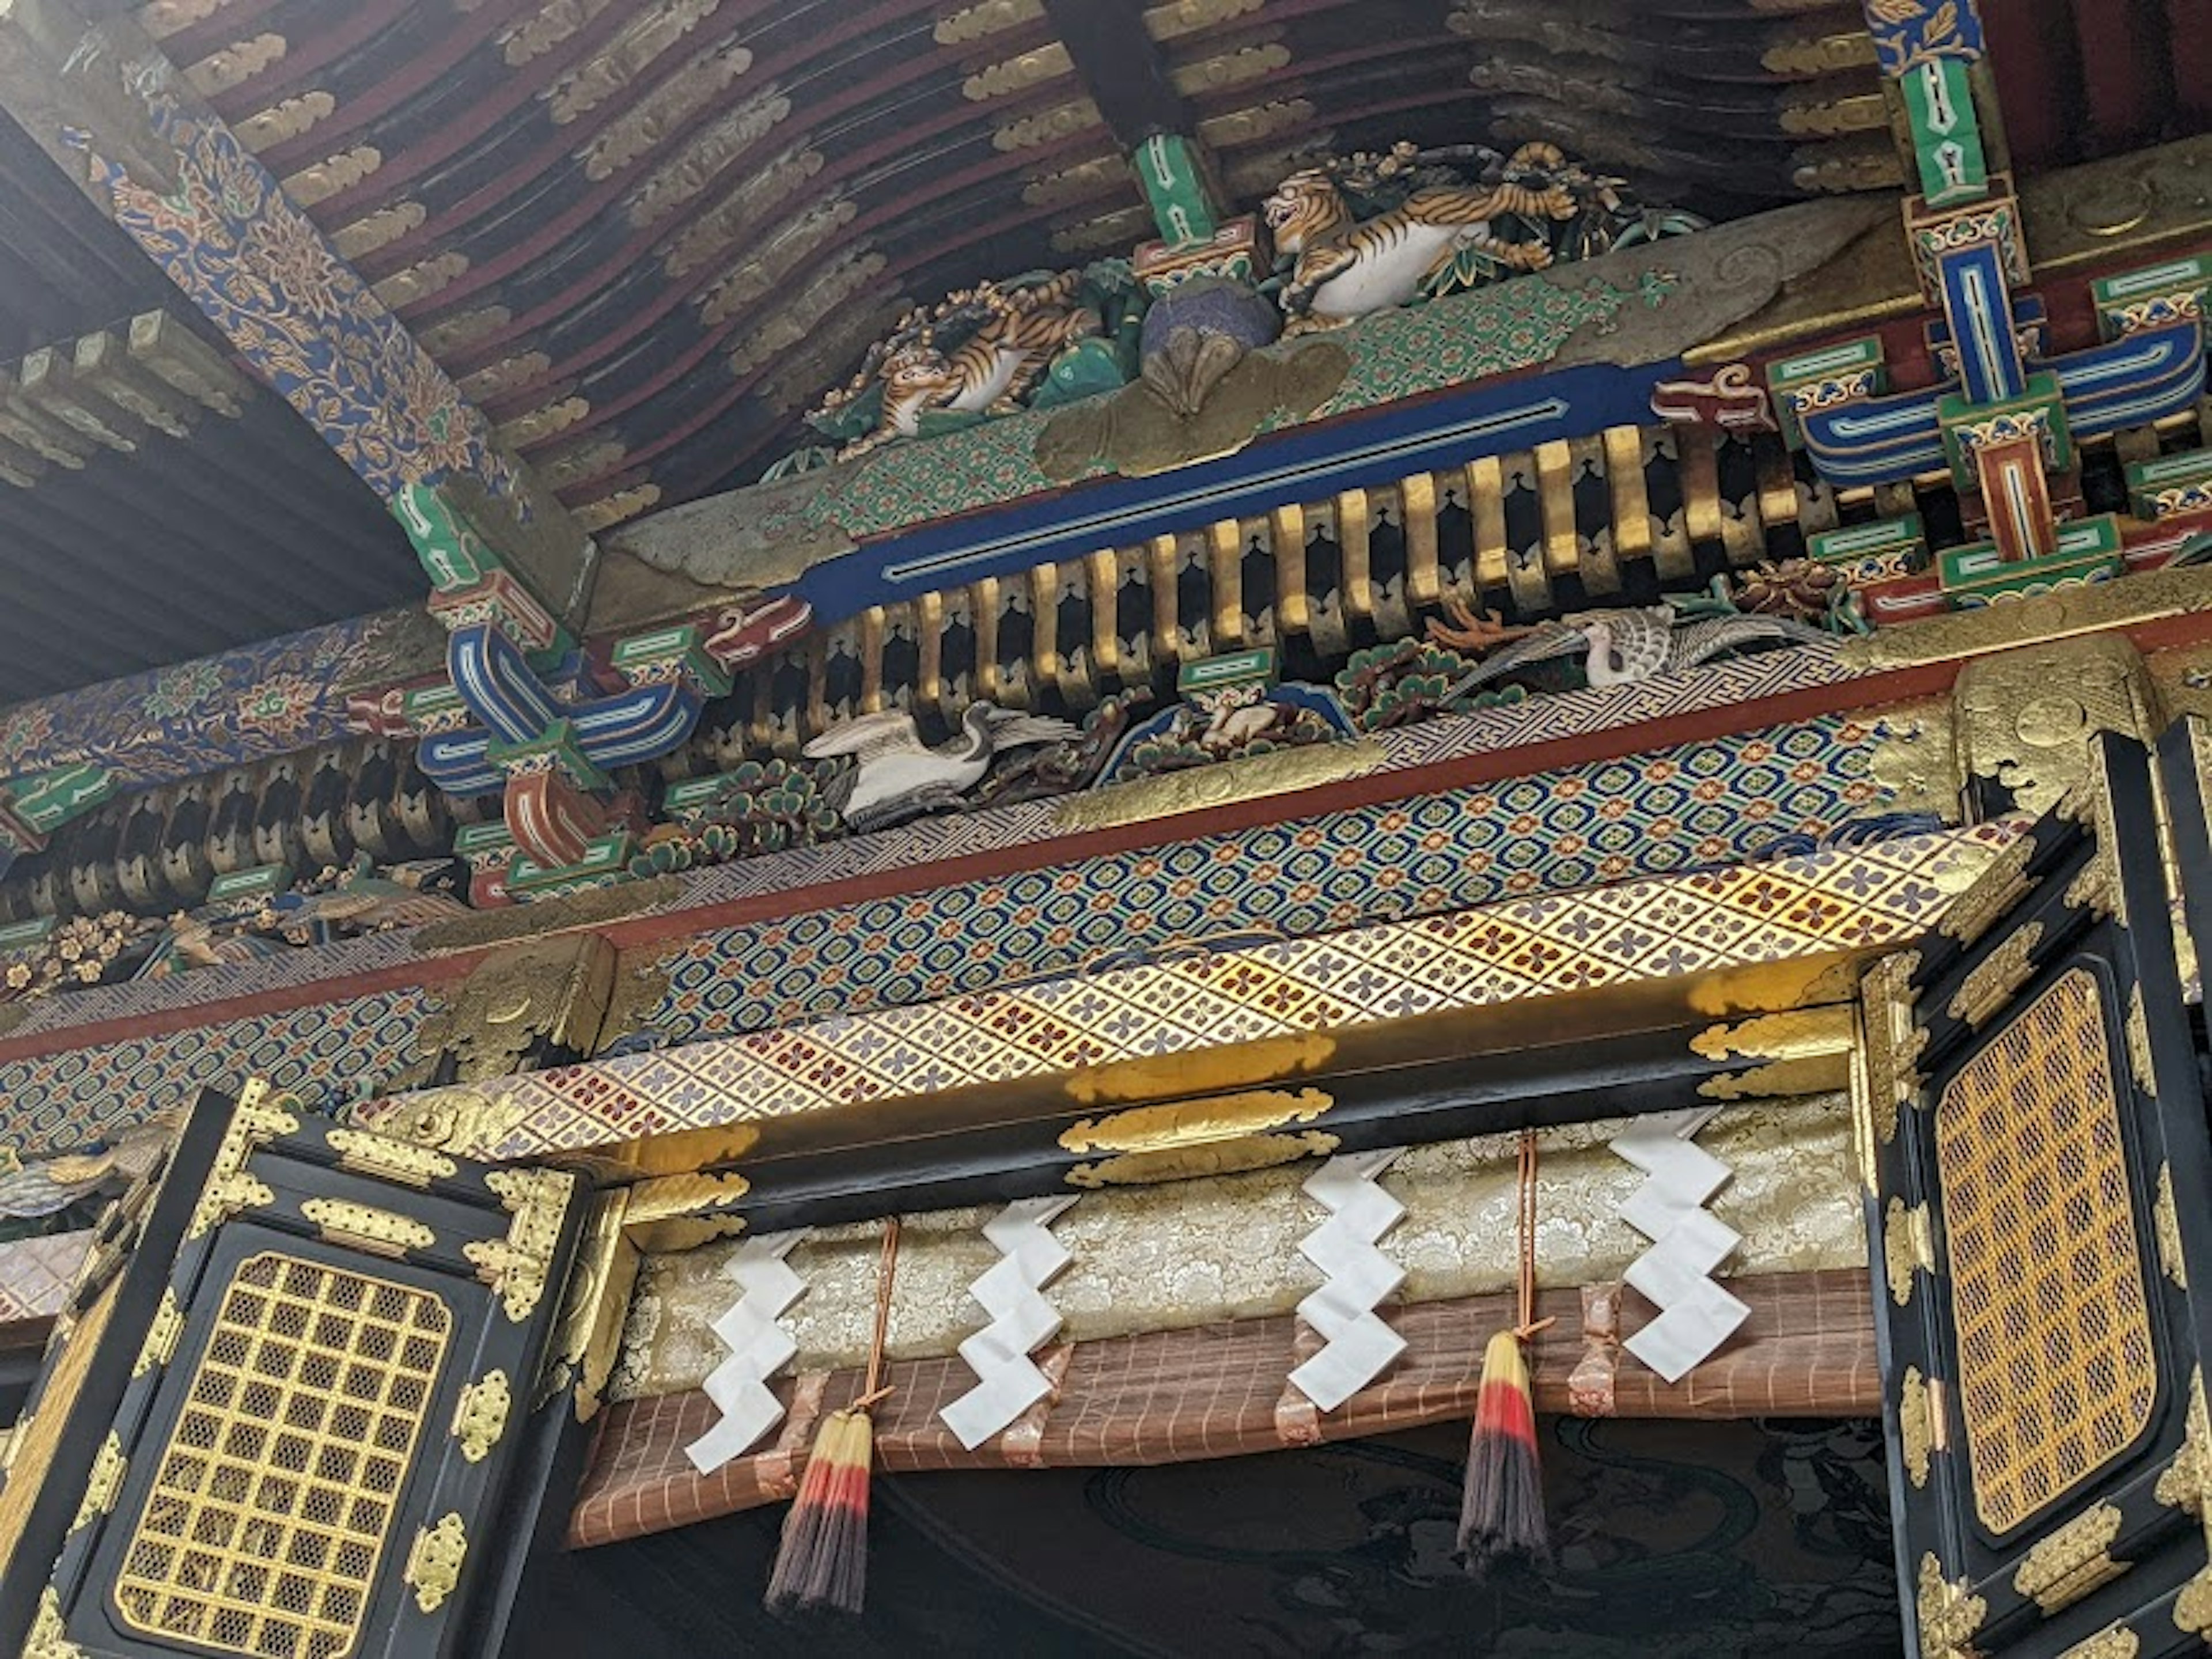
(160, 1346)
(622, 505)
(390, 1159)
(2072, 1561)
(702, 158)
(2114, 1642)
(2137, 1028)
(546, 918)
(1206, 787)
(1906, 1243)
(535, 428)
(235, 64)
(1895, 1039)
(1949, 1615)
(646, 124)
(2165, 1222)
(2037, 620)
(102, 1485)
(1995, 893)
(1224, 1134)
(365, 1227)
(546, 29)
(1990, 982)
(434, 1565)
(287, 120)
(480, 1415)
(456, 1118)
(587, 1343)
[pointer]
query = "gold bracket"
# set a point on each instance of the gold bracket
(517, 1266)
(102, 1485)
(1894, 1040)
(2072, 1561)
(2137, 1029)
(434, 1565)
(49, 1635)
(2166, 1223)
(1949, 1615)
(480, 1415)
(1920, 1426)
(1905, 1244)
(256, 1121)
(1991, 983)
(162, 1331)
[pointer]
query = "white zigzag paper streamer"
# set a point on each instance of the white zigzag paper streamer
(1695, 1316)
(1359, 1344)
(1011, 1291)
(759, 1347)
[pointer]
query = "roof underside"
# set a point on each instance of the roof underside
(647, 234)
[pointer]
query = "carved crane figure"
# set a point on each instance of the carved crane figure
(898, 776)
(1626, 646)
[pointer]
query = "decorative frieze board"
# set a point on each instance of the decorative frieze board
(913, 847)
(1839, 900)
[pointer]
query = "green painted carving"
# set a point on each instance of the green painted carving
(453, 555)
(1946, 134)
(46, 800)
(1168, 167)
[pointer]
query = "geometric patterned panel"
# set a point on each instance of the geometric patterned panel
(59, 1102)
(2055, 1373)
(278, 1493)
(1839, 898)
(35, 1274)
(1605, 822)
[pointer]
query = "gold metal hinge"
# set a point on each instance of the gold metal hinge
(162, 1331)
(434, 1565)
(2072, 1561)
(390, 1159)
(480, 1415)
(102, 1485)
(1905, 1245)
(365, 1227)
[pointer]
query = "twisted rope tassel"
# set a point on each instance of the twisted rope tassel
(1502, 1504)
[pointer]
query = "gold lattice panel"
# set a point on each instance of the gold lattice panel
(2056, 1375)
(276, 1496)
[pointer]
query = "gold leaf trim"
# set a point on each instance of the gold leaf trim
(1031, 68)
(1991, 982)
(235, 64)
(389, 1158)
(2114, 1642)
(162, 1331)
(2033, 621)
(1206, 787)
(285, 120)
(1894, 1040)
(2165, 1222)
(1905, 1245)
(2137, 1029)
(1915, 1424)
(434, 1565)
(365, 1227)
(2003, 884)
(958, 29)
(419, 282)
(480, 1415)
(1218, 1158)
(102, 1484)
(2186, 1484)
(631, 53)
(1195, 1122)
(317, 183)
(2071, 1562)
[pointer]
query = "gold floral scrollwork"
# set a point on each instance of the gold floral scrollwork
(1990, 982)
(2186, 1484)
(2166, 1223)
(2095, 887)
(365, 1227)
(256, 1121)
(1949, 1615)
(2003, 884)
(1222, 1135)
(2192, 1608)
(1894, 1040)
(102, 1485)
(1803, 1051)
(469, 1122)
(2138, 1034)
(49, 1634)
(2025, 717)
(2114, 1642)
(162, 1334)
(2067, 1566)
(434, 1565)
(1906, 1246)
(1203, 788)
(517, 1266)
(390, 1159)
(1916, 1425)
(551, 991)
(480, 1415)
